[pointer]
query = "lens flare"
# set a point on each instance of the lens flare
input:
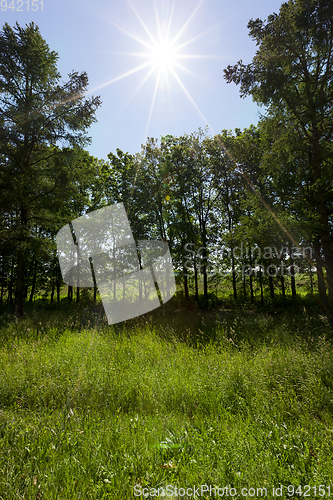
(161, 54)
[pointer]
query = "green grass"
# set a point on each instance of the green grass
(239, 397)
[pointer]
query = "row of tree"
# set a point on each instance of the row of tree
(268, 186)
(208, 198)
(187, 191)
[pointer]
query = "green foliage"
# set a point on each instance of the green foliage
(37, 115)
(292, 74)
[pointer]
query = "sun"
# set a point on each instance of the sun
(162, 50)
(164, 55)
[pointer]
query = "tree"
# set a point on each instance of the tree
(38, 114)
(195, 189)
(178, 173)
(292, 75)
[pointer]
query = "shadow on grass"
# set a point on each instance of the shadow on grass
(210, 320)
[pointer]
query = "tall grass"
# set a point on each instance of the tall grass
(181, 397)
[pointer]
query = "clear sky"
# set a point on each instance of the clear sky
(157, 64)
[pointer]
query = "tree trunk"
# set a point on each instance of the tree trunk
(292, 274)
(10, 286)
(94, 278)
(205, 277)
(311, 280)
(271, 286)
(326, 241)
(283, 288)
(34, 276)
(185, 285)
(205, 281)
(196, 280)
(261, 286)
(251, 281)
(58, 281)
(2, 279)
(205, 258)
(233, 274)
(324, 229)
(320, 273)
(21, 263)
(20, 283)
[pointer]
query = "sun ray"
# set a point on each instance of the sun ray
(183, 28)
(170, 19)
(191, 40)
(131, 35)
(259, 196)
(163, 54)
(121, 77)
(158, 24)
(136, 54)
(190, 97)
(152, 104)
(168, 86)
(142, 22)
(191, 73)
(150, 72)
(200, 56)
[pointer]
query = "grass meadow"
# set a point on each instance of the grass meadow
(171, 404)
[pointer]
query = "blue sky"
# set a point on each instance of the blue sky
(104, 39)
